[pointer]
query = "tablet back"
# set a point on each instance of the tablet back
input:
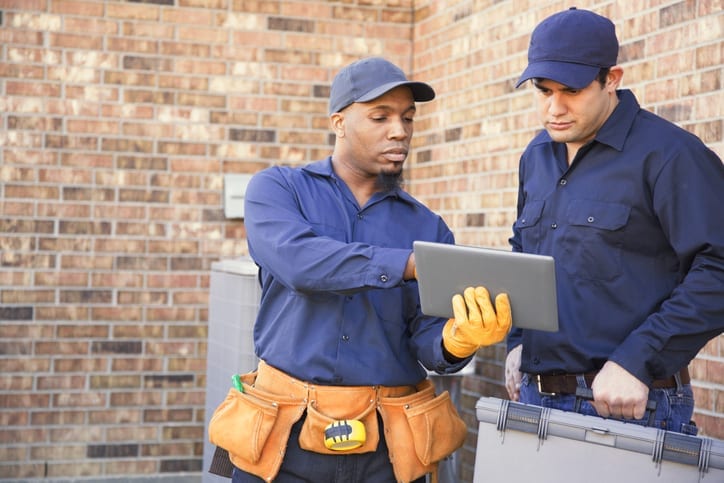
(529, 280)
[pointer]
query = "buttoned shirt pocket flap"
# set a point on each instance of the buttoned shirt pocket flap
(531, 214)
(598, 214)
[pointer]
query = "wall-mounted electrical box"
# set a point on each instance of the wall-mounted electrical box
(234, 192)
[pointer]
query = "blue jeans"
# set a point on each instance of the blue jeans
(301, 466)
(674, 406)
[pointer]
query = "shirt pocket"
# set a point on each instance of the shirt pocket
(594, 238)
(529, 227)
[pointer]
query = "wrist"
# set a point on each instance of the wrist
(449, 357)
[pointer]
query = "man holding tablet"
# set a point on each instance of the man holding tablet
(629, 205)
(339, 333)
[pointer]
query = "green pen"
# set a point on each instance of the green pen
(236, 381)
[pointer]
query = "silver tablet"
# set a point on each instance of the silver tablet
(444, 270)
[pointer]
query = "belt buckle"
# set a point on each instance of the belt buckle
(540, 388)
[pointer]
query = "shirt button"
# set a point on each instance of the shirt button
(554, 225)
(536, 360)
(563, 182)
(522, 221)
(345, 338)
(359, 216)
(384, 278)
(590, 219)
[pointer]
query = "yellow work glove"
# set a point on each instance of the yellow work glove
(476, 323)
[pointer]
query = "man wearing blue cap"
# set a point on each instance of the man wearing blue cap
(341, 394)
(630, 207)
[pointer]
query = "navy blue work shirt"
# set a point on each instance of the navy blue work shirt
(334, 307)
(636, 226)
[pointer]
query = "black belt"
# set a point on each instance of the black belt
(567, 383)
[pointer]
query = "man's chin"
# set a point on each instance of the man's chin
(389, 180)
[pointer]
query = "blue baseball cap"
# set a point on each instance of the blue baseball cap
(368, 79)
(570, 48)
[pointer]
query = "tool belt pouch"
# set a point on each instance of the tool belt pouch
(254, 427)
(241, 425)
(352, 403)
(420, 430)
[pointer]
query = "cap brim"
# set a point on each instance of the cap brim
(576, 76)
(420, 91)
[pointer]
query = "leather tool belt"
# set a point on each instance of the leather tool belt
(554, 384)
(253, 426)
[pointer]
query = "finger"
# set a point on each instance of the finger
(502, 307)
(474, 315)
(512, 384)
(639, 410)
(482, 299)
(510, 387)
(601, 408)
(615, 410)
(459, 310)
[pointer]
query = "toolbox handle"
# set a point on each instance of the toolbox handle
(587, 394)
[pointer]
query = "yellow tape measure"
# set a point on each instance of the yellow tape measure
(344, 435)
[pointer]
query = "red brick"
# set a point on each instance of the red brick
(145, 398)
(115, 382)
(16, 383)
(57, 417)
(59, 452)
(61, 348)
(76, 469)
(116, 416)
(23, 435)
(89, 364)
(77, 7)
(144, 297)
(24, 400)
(64, 382)
(80, 400)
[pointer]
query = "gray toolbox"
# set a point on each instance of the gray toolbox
(520, 443)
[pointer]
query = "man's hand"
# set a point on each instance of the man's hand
(618, 394)
(512, 373)
(476, 323)
(410, 268)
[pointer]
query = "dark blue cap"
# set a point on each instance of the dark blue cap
(570, 48)
(368, 79)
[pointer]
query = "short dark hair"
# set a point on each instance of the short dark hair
(603, 75)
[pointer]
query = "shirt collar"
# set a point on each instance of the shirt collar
(615, 129)
(618, 125)
(324, 168)
(321, 168)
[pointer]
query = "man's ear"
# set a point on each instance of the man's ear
(336, 121)
(615, 75)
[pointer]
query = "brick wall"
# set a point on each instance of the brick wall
(118, 121)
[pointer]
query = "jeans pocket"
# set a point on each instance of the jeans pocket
(675, 407)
